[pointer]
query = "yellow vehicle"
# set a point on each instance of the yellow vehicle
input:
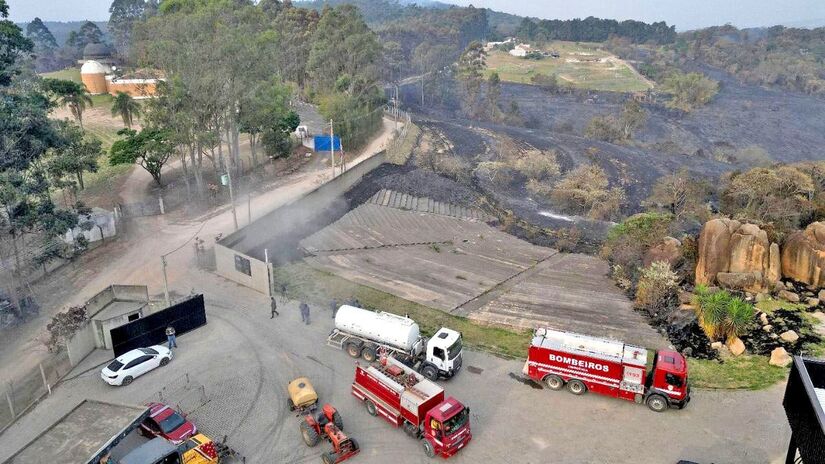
(302, 395)
(199, 449)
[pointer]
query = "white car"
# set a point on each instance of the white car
(135, 363)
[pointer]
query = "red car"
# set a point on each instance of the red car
(165, 422)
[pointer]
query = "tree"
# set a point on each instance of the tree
(89, 33)
(151, 148)
(471, 65)
(681, 195)
(493, 94)
(40, 36)
(547, 82)
(628, 241)
(780, 195)
(70, 94)
(75, 155)
(689, 91)
(12, 46)
(123, 14)
(632, 119)
(126, 107)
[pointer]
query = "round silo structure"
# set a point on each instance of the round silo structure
(93, 75)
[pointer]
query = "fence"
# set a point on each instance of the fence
(21, 393)
(150, 330)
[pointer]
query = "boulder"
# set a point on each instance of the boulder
(767, 327)
(685, 297)
(763, 318)
(668, 250)
(788, 295)
(812, 302)
(740, 280)
(764, 296)
(774, 265)
(717, 345)
(736, 346)
(714, 249)
(789, 336)
(749, 249)
(821, 295)
(803, 255)
(780, 357)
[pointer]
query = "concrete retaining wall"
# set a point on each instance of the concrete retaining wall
(320, 206)
(81, 344)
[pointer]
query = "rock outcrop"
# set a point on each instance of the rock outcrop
(736, 256)
(803, 255)
(668, 250)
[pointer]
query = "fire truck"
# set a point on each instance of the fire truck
(406, 399)
(609, 367)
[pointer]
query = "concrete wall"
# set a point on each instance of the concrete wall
(250, 241)
(99, 301)
(104, 227)
(81, 344)
(116, 292)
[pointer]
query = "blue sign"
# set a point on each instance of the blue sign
(325, 143)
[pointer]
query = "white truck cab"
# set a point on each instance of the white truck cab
(444, 351)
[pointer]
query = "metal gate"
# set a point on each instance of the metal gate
(151, 330)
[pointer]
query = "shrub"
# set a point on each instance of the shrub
(586, 190)
(721, 315)
(604, 128)
(689, 91)
(548, 83)
(63, 325)
(753, 155)
(536, 164)
(627, 241)
(657, 285)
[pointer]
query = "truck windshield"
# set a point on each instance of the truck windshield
(455, 349)
(454, 423)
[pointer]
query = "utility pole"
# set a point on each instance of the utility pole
(249, 208)
(396, 108)
(165, 280)
(332, 147)
(232, 196)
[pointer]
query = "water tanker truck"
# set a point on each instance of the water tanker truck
(366, 334)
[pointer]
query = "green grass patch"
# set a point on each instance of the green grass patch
(770, 306)
(318, 287)
(68, 74)
(746, 372)
(581, 65)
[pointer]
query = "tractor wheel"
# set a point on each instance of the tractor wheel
(554, 382)
(338, 421)
(576, 387)
(309, 434)
(164, 361)
(354, 444)
(430, 372)
(127, 380)
(371, 410)
(353, 350)
(329, 457)
(368, 353)
(657, 403)
(428, 448)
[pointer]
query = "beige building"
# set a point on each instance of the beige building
(99, 79)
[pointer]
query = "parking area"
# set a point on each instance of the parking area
(231, 377)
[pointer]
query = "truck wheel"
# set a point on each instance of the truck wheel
(368, 353)
(576, 387)
(329, 457)
(428, 448)
(371, 410)
(657, 403)
(309, 434)
(290, 403)
(354, 350)
(338, 421)
(430, 372)
(354, 444)
(410, 429)
(554, 382)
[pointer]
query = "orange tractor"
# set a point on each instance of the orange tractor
(329, 425)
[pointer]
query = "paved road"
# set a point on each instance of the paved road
(244, 360)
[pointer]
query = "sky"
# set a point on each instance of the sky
(685, 14)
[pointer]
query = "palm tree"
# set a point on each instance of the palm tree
(77, 99)
(125, 106)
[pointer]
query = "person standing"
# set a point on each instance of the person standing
(273, 306)
(333, 306)
(304, 312)
(170, 337)
(284, 296)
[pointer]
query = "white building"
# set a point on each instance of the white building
(520, 50)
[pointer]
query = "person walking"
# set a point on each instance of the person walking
(304, 312)
(170, 337)
(284, 296)
(333, 306)
(273, 306)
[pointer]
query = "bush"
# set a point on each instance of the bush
(689, 91)
(548, 83)
(657, 286)
(721, 315)
(753, 155)
(63, 325)
(536, 164)
(586, 190)
(604, 128)
(628, 241)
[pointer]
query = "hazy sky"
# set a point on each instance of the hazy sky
(685, 14)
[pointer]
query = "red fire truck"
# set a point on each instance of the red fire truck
(406, 399)
(608, 367)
